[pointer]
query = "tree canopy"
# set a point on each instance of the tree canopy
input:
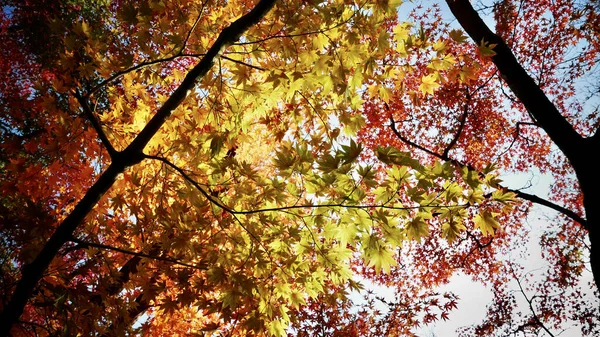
(242, 167)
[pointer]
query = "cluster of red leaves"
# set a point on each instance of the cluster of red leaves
(479, 122)
(370, 314)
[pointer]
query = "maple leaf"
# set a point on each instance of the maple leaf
(417, 228)
(457, 35)
(429, 84)
(486, 48)
(350, 152)
(382, 260)
(486, 222)
(451, 230)
(468, 74)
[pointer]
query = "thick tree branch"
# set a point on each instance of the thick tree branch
(575, 147)
(138, 66)
(534, 198)
(33, 272)
(144, 64)
(528, 92)
(227, 37)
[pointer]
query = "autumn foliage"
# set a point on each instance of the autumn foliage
(235, 168)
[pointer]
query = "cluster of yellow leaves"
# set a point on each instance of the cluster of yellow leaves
(259, 183)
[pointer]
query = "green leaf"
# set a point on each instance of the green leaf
(284, 159)
(383, 195)
(417, 228)
(216, 144)
(350, 152)
(391, 231)
(329, 163)
(487, 49)
(391, 155)
(457, 35)
(452, 191)
(470, 177)
(366, 172)
(230, 299)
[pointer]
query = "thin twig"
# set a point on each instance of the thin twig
(283, 208)
(530, 302)
(149, 63)
(96, 124)
(86, 244)
(243, 63)
(461, 126)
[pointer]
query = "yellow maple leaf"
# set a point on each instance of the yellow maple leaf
(439, 46)
(486, 222)
(401, 31)
(429, 84)
(451, 230)
(467, 74)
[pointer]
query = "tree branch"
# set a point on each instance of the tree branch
(461, 126)
(285, 208)
(144, 64)
(530, 197)
(243, 63)
(134, 68)
(530, 302)
(86, 244)
(409, 142)
(226, 38)
(534, 198)
(96, 124)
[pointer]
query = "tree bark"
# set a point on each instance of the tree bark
(133, 154)
(561, 132)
